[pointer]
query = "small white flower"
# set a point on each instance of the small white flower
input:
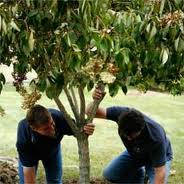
(107, 77)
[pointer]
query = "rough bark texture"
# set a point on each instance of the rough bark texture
(8, 171)
(84, 161)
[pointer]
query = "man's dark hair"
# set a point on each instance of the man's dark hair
(130, 122)
(37, 116)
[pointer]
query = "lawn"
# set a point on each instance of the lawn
(105, 143)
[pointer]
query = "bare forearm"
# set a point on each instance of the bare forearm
(159, 179)
(29, 175)
(159, 175)
(100, 112)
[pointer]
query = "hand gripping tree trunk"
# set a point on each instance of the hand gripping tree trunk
(77, 127)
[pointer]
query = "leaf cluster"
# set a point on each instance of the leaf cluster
(72, 43)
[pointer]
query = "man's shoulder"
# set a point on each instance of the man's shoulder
(52, 110)
(23, 124)
(155, 130)
(57, 115)
(119, 108)
(55, 112)
(23, 132)
(114, 112)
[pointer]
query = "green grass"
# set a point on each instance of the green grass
(105, 143)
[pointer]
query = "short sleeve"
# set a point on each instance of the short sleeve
(158, 154)
(61, 122)
(24, 146)
(27, 159)
(114, 112)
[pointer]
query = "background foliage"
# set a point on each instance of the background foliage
(139, 43)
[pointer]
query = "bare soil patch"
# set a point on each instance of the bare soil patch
(93, 181)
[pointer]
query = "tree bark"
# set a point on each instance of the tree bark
(84, 160)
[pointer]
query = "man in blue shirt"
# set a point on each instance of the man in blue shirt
(147, 147)
(38, 138)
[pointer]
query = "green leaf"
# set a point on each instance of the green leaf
(90, 85)
(59, 81)
(28, 3)
(148, 27)
(138, 18)
(31, 41)
(76, 48)
(153, 32)
(50, 92)
(83, 5)
(119, 59)
(162, 7)
(4, 26)
(74, 61)
(164, 55)
(42, 85)
(26, 50)
(125, 53)
(1, 87)
(128, 42)
(0, 23)
(81, 42)
(173, 31)
(181, 45)
(2, 78)
(14, 25)
(68, 40)
(176, 43)
(124, 89)
(113, 89)
(33, 13)
(54, 3)
(104, 45)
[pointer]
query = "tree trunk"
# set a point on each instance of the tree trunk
(84, 160)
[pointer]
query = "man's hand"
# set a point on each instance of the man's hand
(89, 128)
(98, 94)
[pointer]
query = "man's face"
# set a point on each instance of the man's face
(48, 129)
(132, 136)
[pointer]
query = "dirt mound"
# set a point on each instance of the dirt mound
(93, 181)
(8, 171)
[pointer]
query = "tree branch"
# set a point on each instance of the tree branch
(95, 104)
(66, 116)
(76, 114)
(82, 104)
(75, 100)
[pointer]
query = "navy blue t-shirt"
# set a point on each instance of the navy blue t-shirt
(151, 147)
(32, 146)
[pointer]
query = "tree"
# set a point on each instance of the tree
(73, 45)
